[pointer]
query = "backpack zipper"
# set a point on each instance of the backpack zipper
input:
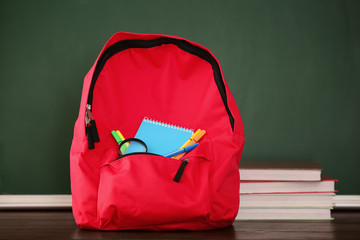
(181, 170)
(135, 43)
(138, 153)
(90, 127)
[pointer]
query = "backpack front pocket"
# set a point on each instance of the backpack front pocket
(139, 191)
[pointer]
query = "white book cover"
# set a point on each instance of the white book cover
(280, 170)
(307, 200)
(267, 187)
(284, 214)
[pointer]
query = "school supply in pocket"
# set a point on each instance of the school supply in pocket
(119, 138)
(195, 138)
(181, 150)
(161, 138)
(170, 79)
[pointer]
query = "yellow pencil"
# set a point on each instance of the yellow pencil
(191, 138)
(122, 138)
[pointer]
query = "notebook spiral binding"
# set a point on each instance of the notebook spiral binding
(150, 120)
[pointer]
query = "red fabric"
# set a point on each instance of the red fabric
(137, 192)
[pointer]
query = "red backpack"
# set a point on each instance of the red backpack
(169, 79)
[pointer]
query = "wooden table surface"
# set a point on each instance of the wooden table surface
(60, 225)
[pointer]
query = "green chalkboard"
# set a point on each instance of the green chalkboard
(292, 66)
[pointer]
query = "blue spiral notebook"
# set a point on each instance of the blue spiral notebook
(160, 138)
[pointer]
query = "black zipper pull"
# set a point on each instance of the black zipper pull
(90, 137)
(89, 132)
(90, 127)
(94, 131)
(181, 169)
(92, 124)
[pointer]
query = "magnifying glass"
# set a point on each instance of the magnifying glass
(142, 143)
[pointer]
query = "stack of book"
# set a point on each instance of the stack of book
(284, 190)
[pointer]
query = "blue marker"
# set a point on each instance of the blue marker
(181, 150)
